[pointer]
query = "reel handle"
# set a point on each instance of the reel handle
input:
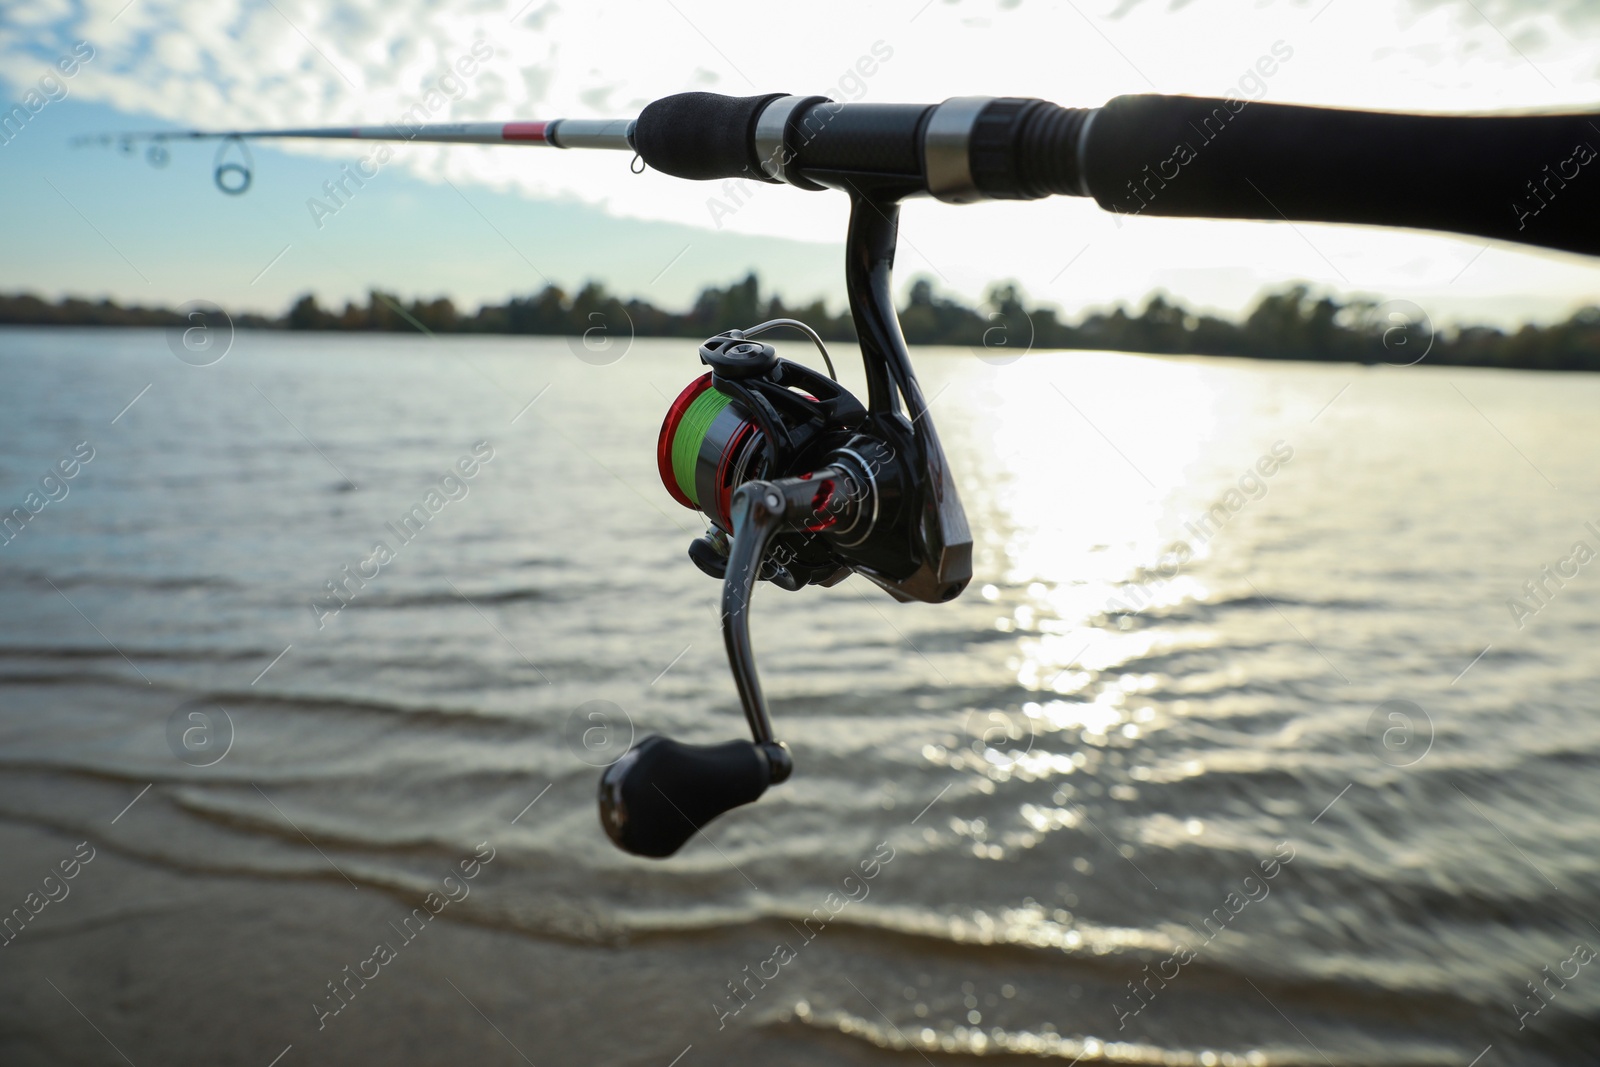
(663, 791)
(757, 512)
(812, 503)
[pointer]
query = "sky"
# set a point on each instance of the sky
(485, 223)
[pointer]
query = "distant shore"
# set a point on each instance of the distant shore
(1291, 323)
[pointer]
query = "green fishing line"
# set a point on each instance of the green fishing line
(692, 430)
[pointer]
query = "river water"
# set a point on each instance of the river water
(1315, 786)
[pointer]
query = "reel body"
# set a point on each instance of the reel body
(752, 417)
(755, 417)
(802, 484)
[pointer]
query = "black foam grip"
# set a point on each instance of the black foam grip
(1527, 178)
(654, 798)
(702, 136)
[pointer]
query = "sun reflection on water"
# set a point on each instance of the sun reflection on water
(1095, 467)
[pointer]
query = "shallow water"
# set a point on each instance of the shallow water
(1077, 776)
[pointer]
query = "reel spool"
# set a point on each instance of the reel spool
(708, 447)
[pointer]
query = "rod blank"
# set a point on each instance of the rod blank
(613, 134)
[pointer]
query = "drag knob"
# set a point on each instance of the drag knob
(657, 796)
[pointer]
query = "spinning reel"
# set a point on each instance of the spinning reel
(802, 484)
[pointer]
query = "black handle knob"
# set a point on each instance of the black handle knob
(654, 798)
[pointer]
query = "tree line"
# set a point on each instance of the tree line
(1291, 323)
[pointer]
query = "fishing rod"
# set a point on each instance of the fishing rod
(804, 484)
(1504, 177)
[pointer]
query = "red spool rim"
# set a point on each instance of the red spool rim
(669, 429)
